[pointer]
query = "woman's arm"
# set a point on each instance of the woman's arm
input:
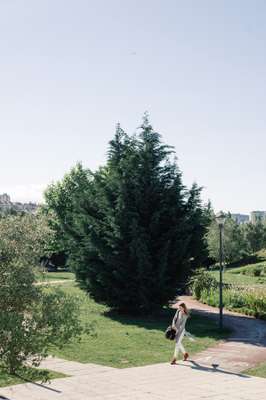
(175, 320)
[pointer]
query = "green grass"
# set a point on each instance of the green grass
(121, 341)
(26, 375)
(250, 269)
(259, 370)
(244, 272)
(55, 276)
(246, 293)
(235, 276)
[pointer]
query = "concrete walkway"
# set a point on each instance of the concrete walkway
(244, 349)
(54, 282)
(184, 381)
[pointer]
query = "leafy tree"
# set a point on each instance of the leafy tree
(30, 318)
(255, 235)
(61, 212)
(23, 238)
(131, 227)
(234, 242)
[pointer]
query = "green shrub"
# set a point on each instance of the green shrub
(251, 270)
(201, 282)
(32, 318)
(249, 301)
(257, 271)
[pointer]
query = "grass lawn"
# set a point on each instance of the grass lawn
(121, 341)
(259, 371)
(234, 276)
(55, 276)
(26, 375)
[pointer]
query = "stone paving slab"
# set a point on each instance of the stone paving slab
(184, 381)
(72, 367)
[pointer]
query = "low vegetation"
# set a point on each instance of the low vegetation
(243, 298)
(258, 269)
(259, 370)
(249, 301)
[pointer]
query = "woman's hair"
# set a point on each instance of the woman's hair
(183, 305)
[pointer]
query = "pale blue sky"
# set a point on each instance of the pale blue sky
(70, 70)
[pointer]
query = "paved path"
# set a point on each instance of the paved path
(54, 282)
(184, 381)
(244, 349)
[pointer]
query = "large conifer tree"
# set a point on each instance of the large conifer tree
(134, 226)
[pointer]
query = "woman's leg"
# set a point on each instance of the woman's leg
(185, 354)
(177, 346)
(182, 348)
(175, 353)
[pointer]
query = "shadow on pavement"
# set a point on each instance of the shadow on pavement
(214, 369)
(41, 385)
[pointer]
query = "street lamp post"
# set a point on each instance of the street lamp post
(220, 218)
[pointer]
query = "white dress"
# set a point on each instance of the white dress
(179, 323)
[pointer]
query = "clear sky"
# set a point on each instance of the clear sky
(71, 69)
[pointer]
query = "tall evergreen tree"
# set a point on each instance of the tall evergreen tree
(200, 218)
(134, 227)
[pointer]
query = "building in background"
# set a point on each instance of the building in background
(256, 216)
(240, 218)
(7, 205)
(5, 202)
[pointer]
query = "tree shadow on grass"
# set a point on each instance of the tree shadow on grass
(198, 326)
(203, 323)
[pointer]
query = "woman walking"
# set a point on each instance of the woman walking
(178, 324)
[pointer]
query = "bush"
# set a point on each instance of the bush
(202, 281)
(32, 318)
(248, 301)
(257, 271)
